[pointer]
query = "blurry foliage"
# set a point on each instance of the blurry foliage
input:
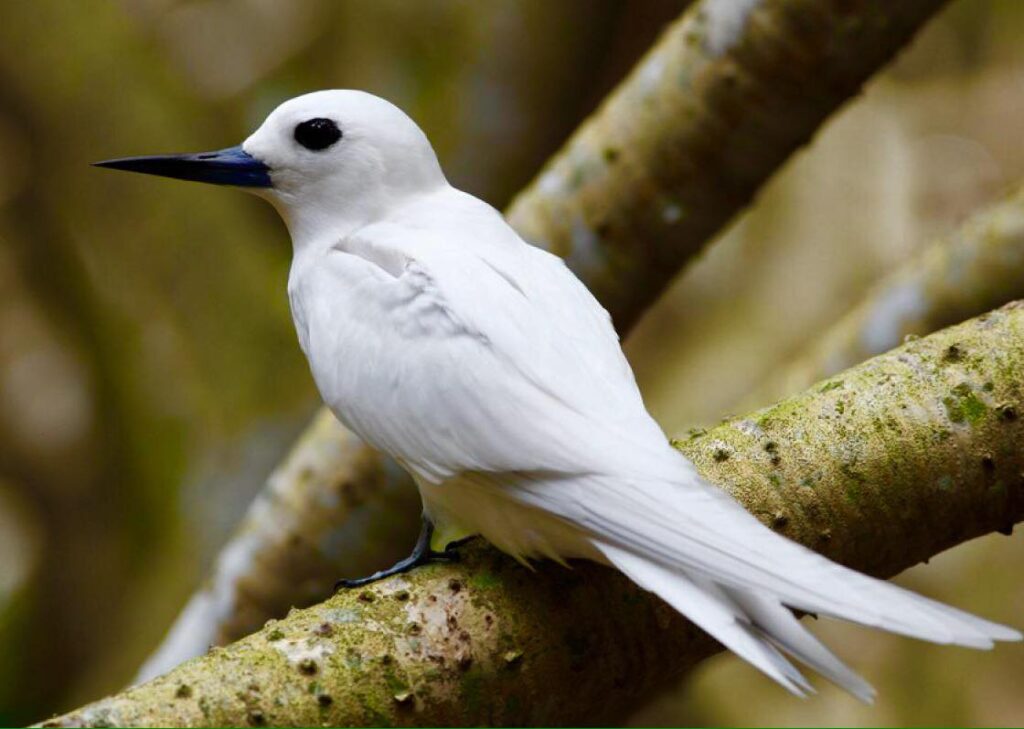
(149, 375)
(19, 561)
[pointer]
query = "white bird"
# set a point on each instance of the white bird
(484, 367)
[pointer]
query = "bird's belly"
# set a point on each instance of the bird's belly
(476, 503)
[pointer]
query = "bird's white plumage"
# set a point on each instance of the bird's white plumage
(491, 373)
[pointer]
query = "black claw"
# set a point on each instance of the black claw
(421, 554)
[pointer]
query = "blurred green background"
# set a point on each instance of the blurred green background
(150, 377)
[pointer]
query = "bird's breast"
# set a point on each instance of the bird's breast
(371, 350)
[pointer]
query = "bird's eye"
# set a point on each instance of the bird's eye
(317, 134)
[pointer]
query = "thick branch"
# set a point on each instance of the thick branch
(880, 468)
(728, 93)
(975, 269)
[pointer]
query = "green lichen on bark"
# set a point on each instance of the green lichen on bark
(329, 498)
(974, 269)
(913, 432)
(329, 479)
(869, 468)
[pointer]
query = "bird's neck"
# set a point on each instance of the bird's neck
(318, 225)
(312, 230)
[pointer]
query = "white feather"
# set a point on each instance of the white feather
(713, 612)
(782, 628)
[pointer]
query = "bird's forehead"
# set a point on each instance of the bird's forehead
(343, 106)
(301, 109)
(274, 134)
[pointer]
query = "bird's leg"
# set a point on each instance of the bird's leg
(421, 554)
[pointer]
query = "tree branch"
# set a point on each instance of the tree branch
(719, 103)
(879, 468)
(974, 269)
(728, 93)
(311, 524)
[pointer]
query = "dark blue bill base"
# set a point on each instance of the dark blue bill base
(231, 166)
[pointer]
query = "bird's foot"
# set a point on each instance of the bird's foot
(421, 554)
(448, 555)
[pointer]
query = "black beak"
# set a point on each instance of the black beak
(231, 166)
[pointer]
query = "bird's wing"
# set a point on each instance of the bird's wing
(492, 355)
(547, 327)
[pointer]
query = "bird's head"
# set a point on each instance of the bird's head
(325, 159)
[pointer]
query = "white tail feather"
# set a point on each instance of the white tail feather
(700, 551)
(780, 626)
(708, 611)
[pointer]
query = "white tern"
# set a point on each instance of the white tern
(485, 368)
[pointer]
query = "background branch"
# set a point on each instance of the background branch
(974, 269)
(727, 94)
(879, 468)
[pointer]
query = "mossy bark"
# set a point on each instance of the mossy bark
(879, 468)
(974, 269)
(309, 526)
(719, 103)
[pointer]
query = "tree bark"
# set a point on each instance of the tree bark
(727, 94)
(879, 468)
(974, 269)
(719, 103)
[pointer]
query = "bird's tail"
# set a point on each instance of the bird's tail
(755, 626)
(700, 551)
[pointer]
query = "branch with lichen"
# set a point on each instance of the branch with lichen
(330, 497)
(879, 468)
(974, 269)
(715, 107)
